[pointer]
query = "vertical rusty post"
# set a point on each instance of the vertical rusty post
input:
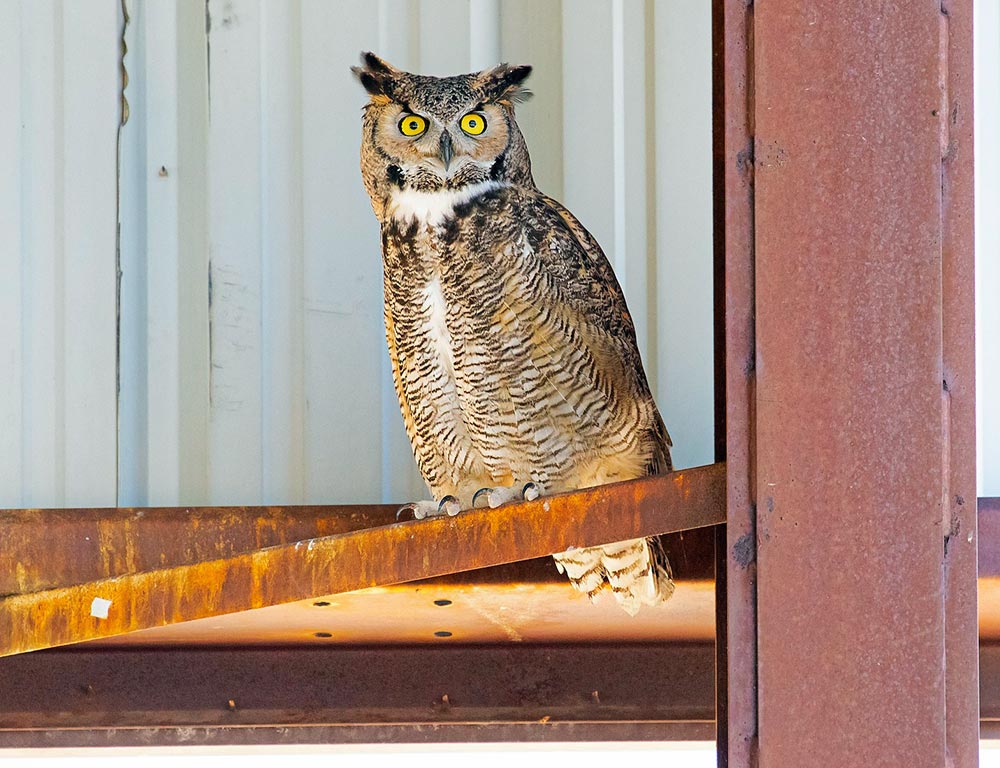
(863, 274)
(958, 338)
(736, 707)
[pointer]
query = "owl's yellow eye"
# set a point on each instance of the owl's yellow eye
(473, 123)
(412, 125)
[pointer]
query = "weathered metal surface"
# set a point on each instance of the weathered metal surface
(445, 614)
(989, 536)
(201, 696)
(989, 690)
(50, 548)
(345, 562)
(959, 375)
(734, 215)
(852, 432)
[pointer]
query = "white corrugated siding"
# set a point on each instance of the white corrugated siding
(252, 365)
(59, 114)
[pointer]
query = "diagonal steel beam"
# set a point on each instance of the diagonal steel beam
(351, 560)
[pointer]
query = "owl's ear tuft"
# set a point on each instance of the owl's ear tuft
(505, 83)
(375, 64)
(376, 76)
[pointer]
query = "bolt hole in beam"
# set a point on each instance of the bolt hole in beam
(442, 602)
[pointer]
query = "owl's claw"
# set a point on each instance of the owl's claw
(494, 497)
(407, 509)
(420, 509)
(482, 493)
(449, 505)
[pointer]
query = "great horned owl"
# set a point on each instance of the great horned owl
(513, 353)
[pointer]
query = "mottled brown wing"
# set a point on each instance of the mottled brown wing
(578, 259)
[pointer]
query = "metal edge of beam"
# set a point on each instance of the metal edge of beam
(734, 237)
(390, 554)
(372, 733)
(959, 372)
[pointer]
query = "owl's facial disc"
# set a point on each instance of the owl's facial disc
(431, 151)
(426, 133)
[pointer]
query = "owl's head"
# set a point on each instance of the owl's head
(434, 133)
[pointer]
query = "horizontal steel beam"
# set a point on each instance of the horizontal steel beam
(71, 697)
(330, 564)
(90, 698)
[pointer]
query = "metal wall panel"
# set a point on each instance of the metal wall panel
(59, 116)
(251, 358)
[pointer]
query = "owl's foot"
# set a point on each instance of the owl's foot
(494, 497)
(420, 509)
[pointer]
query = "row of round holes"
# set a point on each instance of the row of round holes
(324, 635)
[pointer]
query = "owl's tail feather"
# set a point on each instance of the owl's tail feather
(636, 572)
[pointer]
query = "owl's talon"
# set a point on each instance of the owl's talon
(505, 494)
(482, 493)
(421, 509)
(449, 505)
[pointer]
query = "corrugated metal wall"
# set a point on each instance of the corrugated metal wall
(250, 356)
(59, 115)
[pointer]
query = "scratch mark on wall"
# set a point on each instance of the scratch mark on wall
(208, 55)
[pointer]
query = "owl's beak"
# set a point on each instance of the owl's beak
(445, 149)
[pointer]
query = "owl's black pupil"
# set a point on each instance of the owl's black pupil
(472, 123)
(413, 125)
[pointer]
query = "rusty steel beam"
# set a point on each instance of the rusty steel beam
(87, 698)
(858, 443)
(71, 697)
(344, 562)
(733, 153)
(50, 548)
(989, 690)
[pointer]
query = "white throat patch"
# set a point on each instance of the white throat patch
(434, 207)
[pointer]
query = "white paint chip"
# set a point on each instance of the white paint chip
(99, 608)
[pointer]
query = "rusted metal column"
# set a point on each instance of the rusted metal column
(856, 443)
(733, 178)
